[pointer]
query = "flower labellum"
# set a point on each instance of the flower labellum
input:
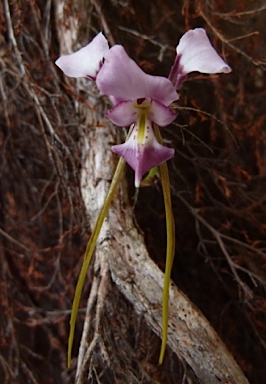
(142, 151)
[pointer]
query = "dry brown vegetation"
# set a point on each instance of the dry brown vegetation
(218, 180)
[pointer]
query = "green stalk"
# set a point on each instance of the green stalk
(89, 253)
(170, 250)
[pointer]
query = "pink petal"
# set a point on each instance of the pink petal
(161, 115)
(87, 61)
(123, 114)
(143, 157)
(196, 53)
(121, 78)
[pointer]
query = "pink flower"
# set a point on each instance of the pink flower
(141, 100)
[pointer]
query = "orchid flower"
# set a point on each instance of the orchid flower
(141, 102)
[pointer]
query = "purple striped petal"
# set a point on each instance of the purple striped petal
(121, 78)
(87, 61)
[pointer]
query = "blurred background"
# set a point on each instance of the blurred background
(218, 175)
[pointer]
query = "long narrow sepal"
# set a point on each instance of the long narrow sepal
(170, 250)
(89, 253)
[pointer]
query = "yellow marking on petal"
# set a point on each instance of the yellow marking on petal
(144, 110)
(141, 128)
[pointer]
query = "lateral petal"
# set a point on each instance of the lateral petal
(123, 114)
(161, 115)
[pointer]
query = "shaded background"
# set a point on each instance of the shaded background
(217, 175)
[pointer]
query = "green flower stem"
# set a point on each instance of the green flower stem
(170, 251)
(89, 253)
(149, 179)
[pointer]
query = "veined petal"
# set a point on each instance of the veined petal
(121, 78)
(87, 61)
(123, 114)
(143, 157)
(196, 53)
(160, 114)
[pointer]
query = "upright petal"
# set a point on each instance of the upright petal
(143, 157)
(195, 53)
(87, 61)
(121, 78)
